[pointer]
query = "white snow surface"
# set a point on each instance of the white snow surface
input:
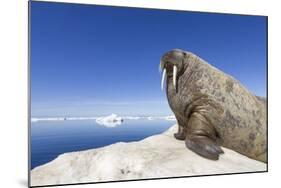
(157, 156)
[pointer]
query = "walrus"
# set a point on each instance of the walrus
(212, 108)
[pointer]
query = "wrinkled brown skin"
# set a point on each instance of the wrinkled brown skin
(213, 109)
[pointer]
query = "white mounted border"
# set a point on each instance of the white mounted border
(13, 95)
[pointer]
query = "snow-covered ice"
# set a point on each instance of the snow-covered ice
(157, 156)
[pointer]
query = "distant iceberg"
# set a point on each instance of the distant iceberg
(132, 117)
(113, 119)
(61, 118)
(110, 121)
(168, 118)
(48, 119)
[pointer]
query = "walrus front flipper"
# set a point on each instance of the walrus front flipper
(204, 146)
(201, 138)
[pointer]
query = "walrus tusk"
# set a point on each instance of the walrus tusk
(163, 79)
(175, 76)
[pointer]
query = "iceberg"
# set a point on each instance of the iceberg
(48, 119)
(33, 119)
(168, 118)
(110, 121)
(132, 117)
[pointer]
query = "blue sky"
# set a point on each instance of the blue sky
(95, 60)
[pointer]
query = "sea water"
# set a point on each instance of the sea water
(52, 138)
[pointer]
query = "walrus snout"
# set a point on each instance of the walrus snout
(171, 64)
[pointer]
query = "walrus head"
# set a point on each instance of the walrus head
(172, 64)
